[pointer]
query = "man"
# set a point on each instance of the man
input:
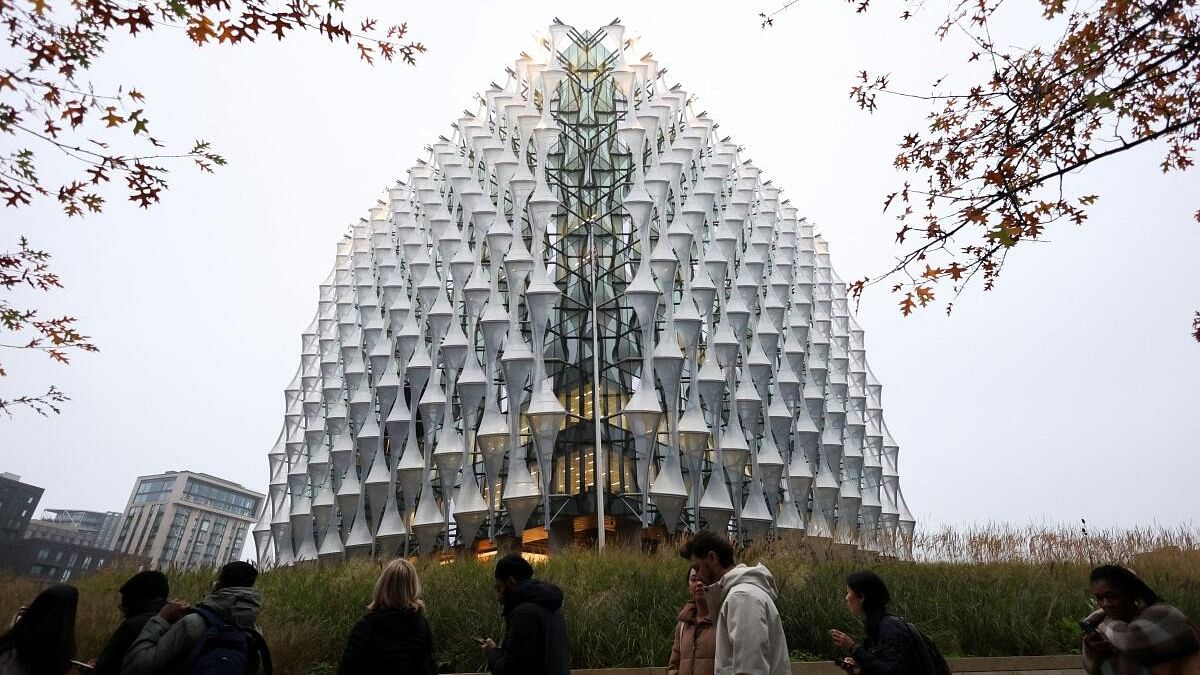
(535, 633)
(219, 635)
(141, 598)
(749, 633)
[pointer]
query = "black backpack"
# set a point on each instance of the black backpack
(226, 649)
(929, 658)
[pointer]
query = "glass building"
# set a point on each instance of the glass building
(583, 315)
(99, 528)
(183, 519)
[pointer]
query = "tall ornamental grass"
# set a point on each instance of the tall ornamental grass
(979, 600)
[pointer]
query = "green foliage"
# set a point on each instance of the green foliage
(621, 606)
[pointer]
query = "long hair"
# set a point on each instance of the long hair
(398, 587)
(1124, 580)
(874, 592)
(44, 636)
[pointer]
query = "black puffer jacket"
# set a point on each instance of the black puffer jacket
(109, 661)
(535, 633)
(889, 647)
(391, 641)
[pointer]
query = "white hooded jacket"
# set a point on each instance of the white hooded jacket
(749, 633)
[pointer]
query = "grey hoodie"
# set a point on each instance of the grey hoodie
(163, 647)
(750, 639)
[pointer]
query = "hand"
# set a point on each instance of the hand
(175, 610)
(1099, 644)
(842, 640)
(852, 665)
(487, 645)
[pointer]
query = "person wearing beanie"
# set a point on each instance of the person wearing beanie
(535, 633)
(142, 596)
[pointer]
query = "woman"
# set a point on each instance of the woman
(1134, 632)
(695, 641)
(42, 641)
(394, 637)
(889, 648)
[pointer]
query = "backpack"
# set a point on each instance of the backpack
(931, 660)
(225, 649)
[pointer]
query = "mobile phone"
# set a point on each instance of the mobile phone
(82, 667)
(841, 663)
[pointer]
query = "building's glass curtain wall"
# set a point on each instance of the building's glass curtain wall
(583, 280)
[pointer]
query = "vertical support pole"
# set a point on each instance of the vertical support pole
(599, 459)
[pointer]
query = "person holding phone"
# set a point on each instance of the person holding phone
(535, 632)
(1133, 632)
(888, 648)
(394, 636)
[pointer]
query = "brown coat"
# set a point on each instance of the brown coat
(694, 651)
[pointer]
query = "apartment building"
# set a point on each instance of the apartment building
(186, 519)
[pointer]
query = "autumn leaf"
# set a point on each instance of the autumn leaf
(200, 29)
(924, 294)
(139, 122)
(112, 119)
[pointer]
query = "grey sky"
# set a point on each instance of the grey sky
(1070, 391)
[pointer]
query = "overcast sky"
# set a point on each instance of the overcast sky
(1070, 392)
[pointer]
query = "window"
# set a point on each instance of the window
(87, 562)
(43, 554)
(175, 533)
(152, 532)
(219, 498)
(156, 490)
(35, 571)
(126, 523)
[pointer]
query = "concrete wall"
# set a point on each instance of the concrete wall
(1006, 665)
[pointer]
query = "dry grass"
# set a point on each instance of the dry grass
(1002, 542)
(987, 591)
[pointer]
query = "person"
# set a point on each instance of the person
(394, 636)
(749, 632)
(889, 647)
(142, 596)
(695, 641)
(42, 640)
(226, 620)
(1133, 632)
(535, 632)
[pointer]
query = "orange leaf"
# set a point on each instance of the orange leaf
(112, 118)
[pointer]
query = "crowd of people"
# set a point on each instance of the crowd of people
(730, 625)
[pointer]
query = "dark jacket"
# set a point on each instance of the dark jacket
(163, 648)
(535, 633)
(109, 661)
(888, 648)
(391, 641)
